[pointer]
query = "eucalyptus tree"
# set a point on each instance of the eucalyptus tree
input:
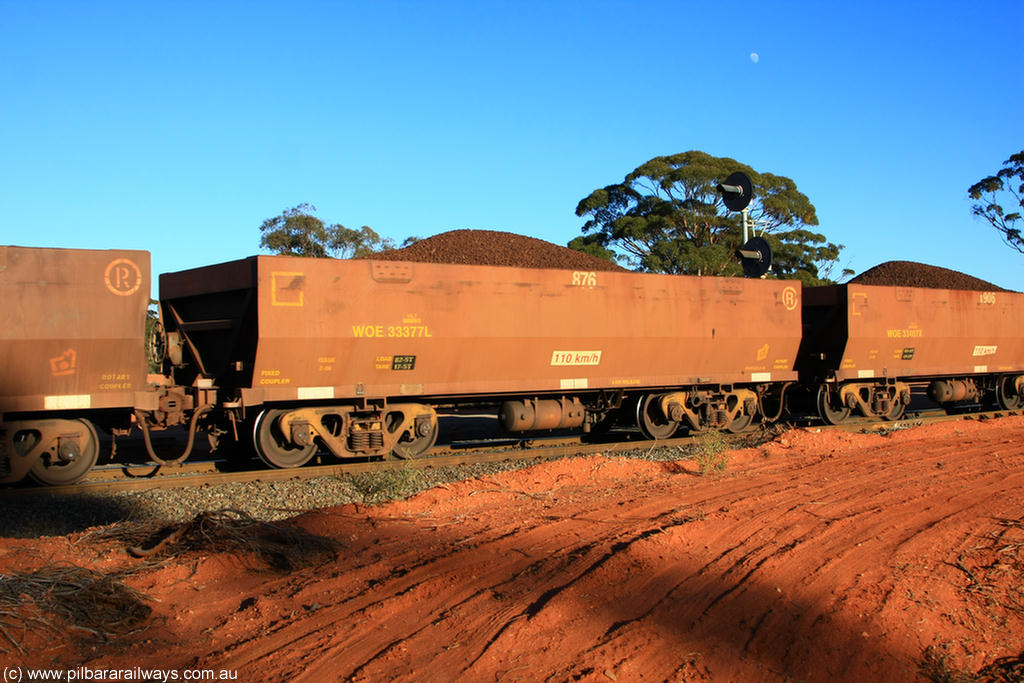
(298, 232)
(667, 216)
(999, 199)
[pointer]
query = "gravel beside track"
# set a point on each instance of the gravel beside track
(58, 514)
(53, 515)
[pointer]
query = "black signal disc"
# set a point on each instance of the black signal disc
(737, 201)
(756, 266)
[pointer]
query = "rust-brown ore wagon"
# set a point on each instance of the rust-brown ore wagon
(864, 344)
(356, 355)
(72, 356)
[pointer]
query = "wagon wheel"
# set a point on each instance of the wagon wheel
(1006, 394)
(409, 447)
(56, 469)
(651, 422)
(271, 445)
(896, 411)
(740, 423)
(829, 412)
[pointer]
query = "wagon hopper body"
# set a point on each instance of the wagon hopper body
(72, 356)
(863, 344)
(355, 354)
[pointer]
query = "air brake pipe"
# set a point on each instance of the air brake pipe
(782, 403)
(144, 426)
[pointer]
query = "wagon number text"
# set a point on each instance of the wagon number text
(584, 278)
(391, 331)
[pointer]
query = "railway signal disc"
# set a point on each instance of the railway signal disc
(736, 191)
(755, 256)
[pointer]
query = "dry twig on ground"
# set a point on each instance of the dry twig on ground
(58, 598)
(278, 545)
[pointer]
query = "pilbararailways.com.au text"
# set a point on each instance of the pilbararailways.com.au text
(137, 673)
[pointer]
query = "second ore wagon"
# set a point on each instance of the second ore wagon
(358, 356)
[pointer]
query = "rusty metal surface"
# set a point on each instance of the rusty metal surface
(332, 329)
(871, 331)
(72, 328)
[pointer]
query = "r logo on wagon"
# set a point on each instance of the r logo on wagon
(789, 298)
(122, 277)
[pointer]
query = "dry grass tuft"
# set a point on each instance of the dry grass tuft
(62, 598)
(934, 667)
(994, 570)
(386, 485)
(711, 451)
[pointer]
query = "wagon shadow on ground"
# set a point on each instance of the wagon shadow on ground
(23, 515)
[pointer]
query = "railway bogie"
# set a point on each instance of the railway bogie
(404, 429)
(884, 400)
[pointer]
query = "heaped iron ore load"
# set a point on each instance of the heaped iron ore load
(912, 274)
(495, 248)
(291, 356)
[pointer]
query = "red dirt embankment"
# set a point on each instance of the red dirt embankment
(817, 557)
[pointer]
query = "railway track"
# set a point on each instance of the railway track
(215, 472)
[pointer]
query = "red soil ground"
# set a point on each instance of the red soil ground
(817, 557)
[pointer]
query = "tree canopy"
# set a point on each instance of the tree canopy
(999, 199)
(667, 216)
(298, 232)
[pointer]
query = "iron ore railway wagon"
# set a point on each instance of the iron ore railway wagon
(72, 356)
(357, 356)
(863, 346)
(290, 356)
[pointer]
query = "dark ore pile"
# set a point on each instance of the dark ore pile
(911, 274)
(494, 248)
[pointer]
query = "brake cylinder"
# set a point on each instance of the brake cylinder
(533, 414)
(952, 390)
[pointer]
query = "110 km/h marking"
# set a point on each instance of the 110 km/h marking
(575, 358)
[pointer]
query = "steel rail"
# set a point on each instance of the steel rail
(205, 473)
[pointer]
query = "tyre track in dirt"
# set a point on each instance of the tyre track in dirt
(818, 557)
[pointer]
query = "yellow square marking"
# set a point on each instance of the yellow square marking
(285, 294)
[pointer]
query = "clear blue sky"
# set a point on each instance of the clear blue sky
(178, 127)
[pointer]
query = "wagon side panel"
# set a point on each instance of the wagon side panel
(330, 329)
(72, 328)
(915, 332)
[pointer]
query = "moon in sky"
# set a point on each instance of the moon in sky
(754, 57)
